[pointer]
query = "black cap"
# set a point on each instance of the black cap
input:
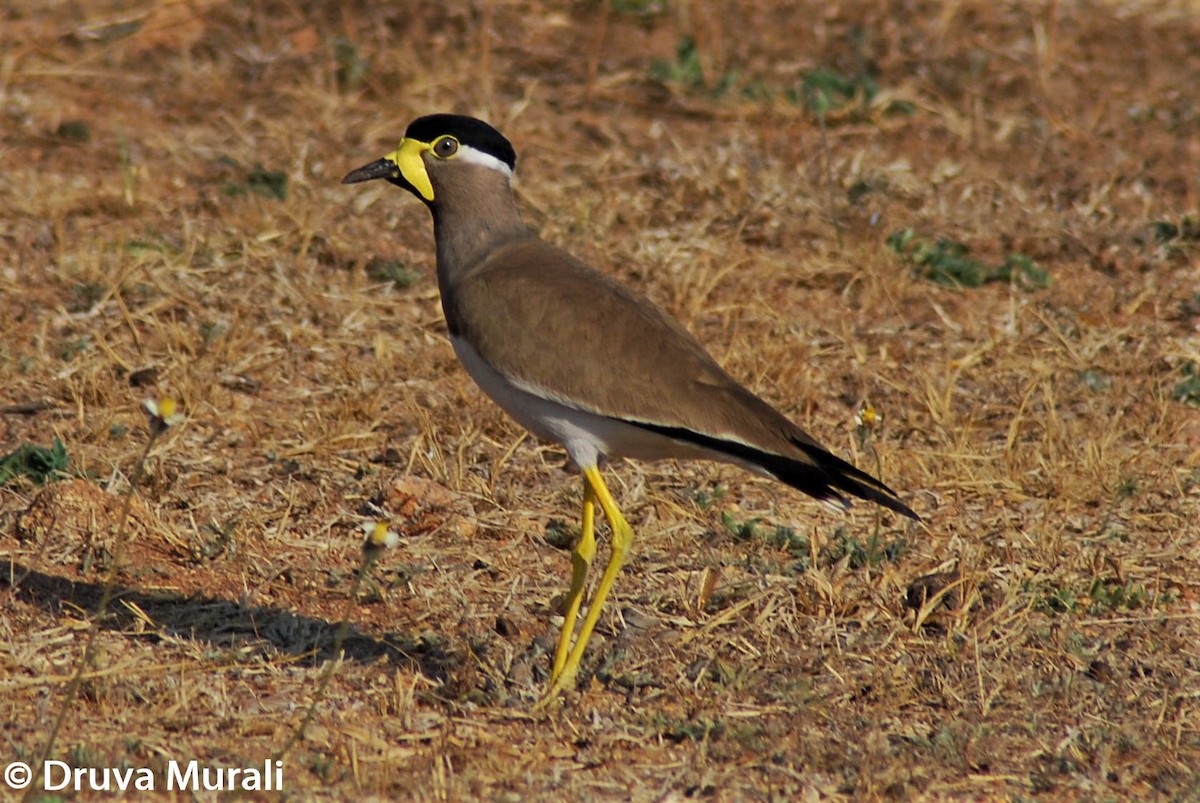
(468, 131)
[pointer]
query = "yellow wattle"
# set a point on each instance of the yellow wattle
(408, 158)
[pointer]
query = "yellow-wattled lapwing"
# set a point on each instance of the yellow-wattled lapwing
(579, 359)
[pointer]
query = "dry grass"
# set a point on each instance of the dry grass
(1036, 639)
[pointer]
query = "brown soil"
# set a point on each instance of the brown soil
(173, 226)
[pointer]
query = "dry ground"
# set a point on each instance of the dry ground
(172, 224)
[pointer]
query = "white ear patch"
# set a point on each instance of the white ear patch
(477, 157)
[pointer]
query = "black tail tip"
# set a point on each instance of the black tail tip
(889, 502)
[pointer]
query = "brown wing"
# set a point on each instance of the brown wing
(627, 359)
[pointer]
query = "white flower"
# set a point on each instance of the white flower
(378, 536)
(868, 418)
(163, 413)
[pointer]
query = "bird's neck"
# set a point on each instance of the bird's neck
(470, 228)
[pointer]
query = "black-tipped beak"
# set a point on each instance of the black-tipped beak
(380, 168)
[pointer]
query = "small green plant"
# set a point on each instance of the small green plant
(941, 261)
(741, 530)
(85, 296)
(68, 349)
(392, 270)
(1164, 231)
(1052, 599)
(74, 132)
(688, 71)
(1188, 389)
(270, 183)
(684, 70)
(211, 330)
(106, 31)
(560, 534)
(81, 755)
(679, 730)
(1021, 270)
(259, 180)
(153, 243)
(217, 541)
(820, 91)
(41, 464)
(1101, 596)
(862, 188)
(1108, 596)
(870, 554)
(825, 90)
(789, 540)
(757, 91)
(779, 537)
(352, 68)
(639, 8)
(1189, 308)
(1095, 381)
(323, 767)
(705, 498)
(948, 262)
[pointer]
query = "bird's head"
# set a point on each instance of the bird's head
(437, 148)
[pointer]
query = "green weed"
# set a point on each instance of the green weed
(820, 91)
(1164, 231)
(392, 270)
(74, 132)
(85, 296)
(269, 183)
(1101, 597)
(948, 263)
(741, 530)
(259, 180)
(1095, 381)
(323, 767)
(214, 541)
(705, 499)
(560, 534)
(639, 8)
(679, 730)
(863, 554)
(824, 90)
(38, 463)
(1188, 389)
(1127, 488)
(151, 246)
(352, 68)
(1105, 596)
(687, 70)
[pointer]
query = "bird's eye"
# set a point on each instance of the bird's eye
(446, 147)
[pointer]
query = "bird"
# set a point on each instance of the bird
(580, 359)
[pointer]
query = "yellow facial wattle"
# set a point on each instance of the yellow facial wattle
(408, 158)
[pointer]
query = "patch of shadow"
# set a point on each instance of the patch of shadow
(254, 631)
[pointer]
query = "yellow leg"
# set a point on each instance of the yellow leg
(622, 541)
(581, 561)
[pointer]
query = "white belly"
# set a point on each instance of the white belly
(587, 437)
